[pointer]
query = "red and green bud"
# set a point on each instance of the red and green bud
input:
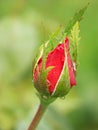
(54, 74)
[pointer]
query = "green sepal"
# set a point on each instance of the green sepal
(63, 85)
(44, 94)
(53, 38)
(41, 84)
(41, 87)
(37, 57)
(74, 41)
(48, 46)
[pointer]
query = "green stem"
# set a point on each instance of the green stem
(41, 109)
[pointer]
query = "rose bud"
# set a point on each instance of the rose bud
(55, 75)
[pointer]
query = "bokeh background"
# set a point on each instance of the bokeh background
(24, 26)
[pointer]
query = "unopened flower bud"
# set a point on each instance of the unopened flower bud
(56, 81)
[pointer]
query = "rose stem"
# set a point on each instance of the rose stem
(41, 109)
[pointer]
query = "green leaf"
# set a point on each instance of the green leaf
(77, 17)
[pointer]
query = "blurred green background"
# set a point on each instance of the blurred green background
(24, 25)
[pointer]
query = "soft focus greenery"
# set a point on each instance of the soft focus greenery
(24, 26)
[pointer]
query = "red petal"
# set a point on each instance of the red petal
(55, 58)
(70, 65)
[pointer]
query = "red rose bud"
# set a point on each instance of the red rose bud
(61, 76)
